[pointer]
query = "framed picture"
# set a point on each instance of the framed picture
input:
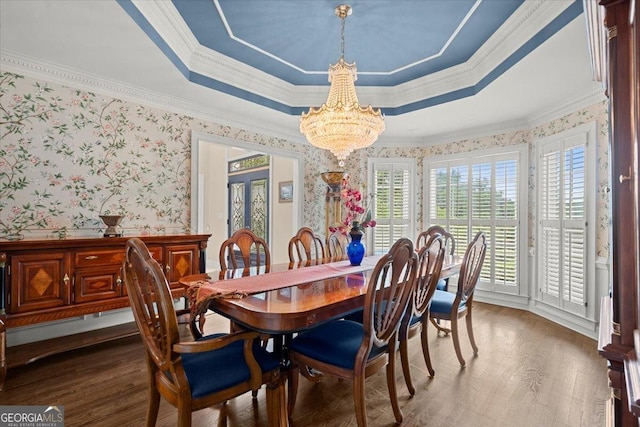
(285, 191)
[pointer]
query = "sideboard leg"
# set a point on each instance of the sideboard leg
(3, 354)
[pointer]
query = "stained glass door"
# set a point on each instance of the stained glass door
(249, 202)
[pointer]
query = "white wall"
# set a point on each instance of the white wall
(282, 214)
(212, 168)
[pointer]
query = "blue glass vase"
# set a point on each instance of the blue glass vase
(355, 248)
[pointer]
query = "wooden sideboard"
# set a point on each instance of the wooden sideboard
(47, 280)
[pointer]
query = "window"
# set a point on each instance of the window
(485, 192)
(563, 211)
(391, 181)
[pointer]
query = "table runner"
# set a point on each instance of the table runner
(202, 292)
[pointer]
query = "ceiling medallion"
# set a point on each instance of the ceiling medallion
(341, 125)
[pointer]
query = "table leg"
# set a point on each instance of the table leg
(277, 402)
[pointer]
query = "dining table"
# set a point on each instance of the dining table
(288, 297)
(280, 300)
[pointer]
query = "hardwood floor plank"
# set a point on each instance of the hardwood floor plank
(529, 372)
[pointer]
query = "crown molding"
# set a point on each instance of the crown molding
(461, 135)
(55, 73)
(167, 22)
(546, 115)
(520, 28)
(539, 118)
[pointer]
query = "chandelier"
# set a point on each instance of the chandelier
(342, 125)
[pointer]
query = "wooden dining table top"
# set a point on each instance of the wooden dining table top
(296, 308)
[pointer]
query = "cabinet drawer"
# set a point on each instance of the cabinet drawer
(92, 258)
(97, 284)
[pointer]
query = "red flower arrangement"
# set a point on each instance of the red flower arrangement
(358, 210)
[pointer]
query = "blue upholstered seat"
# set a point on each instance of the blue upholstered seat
(442, 285)
(220, 369)
(442, 302)
(321, 344)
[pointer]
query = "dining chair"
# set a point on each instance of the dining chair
(306, 246)
(193, 375)
(449, 306)
(244, 250)
(449, 244)
(353, 351)
(336, 245)
(430, 259)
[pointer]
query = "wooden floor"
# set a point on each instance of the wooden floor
(529, 372)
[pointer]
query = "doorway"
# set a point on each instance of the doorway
(210, 213)
(248, 195)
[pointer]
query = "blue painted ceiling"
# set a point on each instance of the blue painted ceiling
(392, 42)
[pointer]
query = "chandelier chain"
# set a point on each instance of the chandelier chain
(342, 18)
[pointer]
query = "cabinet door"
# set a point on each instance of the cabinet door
(180, 261)
(97, 284)
(40, 281)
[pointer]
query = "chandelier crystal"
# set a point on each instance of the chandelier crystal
(342, 125)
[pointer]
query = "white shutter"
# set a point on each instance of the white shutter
(438, 199)
(481, 193)
(505, 245)
(550, 280)
(392, 210)
(382, 208)
(563, 228)
(550, 224)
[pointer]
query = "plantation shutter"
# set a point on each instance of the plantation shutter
(506, 223)
(459, 206)
(481, 194)
(563, 224)
(392, 204)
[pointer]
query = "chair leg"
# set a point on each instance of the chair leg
(406, 371)
(424, 338)
(184, 414)
(292, 376)
(470, 332)
(455, 333)
(358, 400)
(391, 384)
(154, 395)
(154, 405)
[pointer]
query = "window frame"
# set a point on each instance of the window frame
(521, 154)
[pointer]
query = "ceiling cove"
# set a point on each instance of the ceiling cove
(288, 45)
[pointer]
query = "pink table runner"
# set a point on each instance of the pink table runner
(202, 292)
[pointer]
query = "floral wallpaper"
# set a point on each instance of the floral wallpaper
(69, 155)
